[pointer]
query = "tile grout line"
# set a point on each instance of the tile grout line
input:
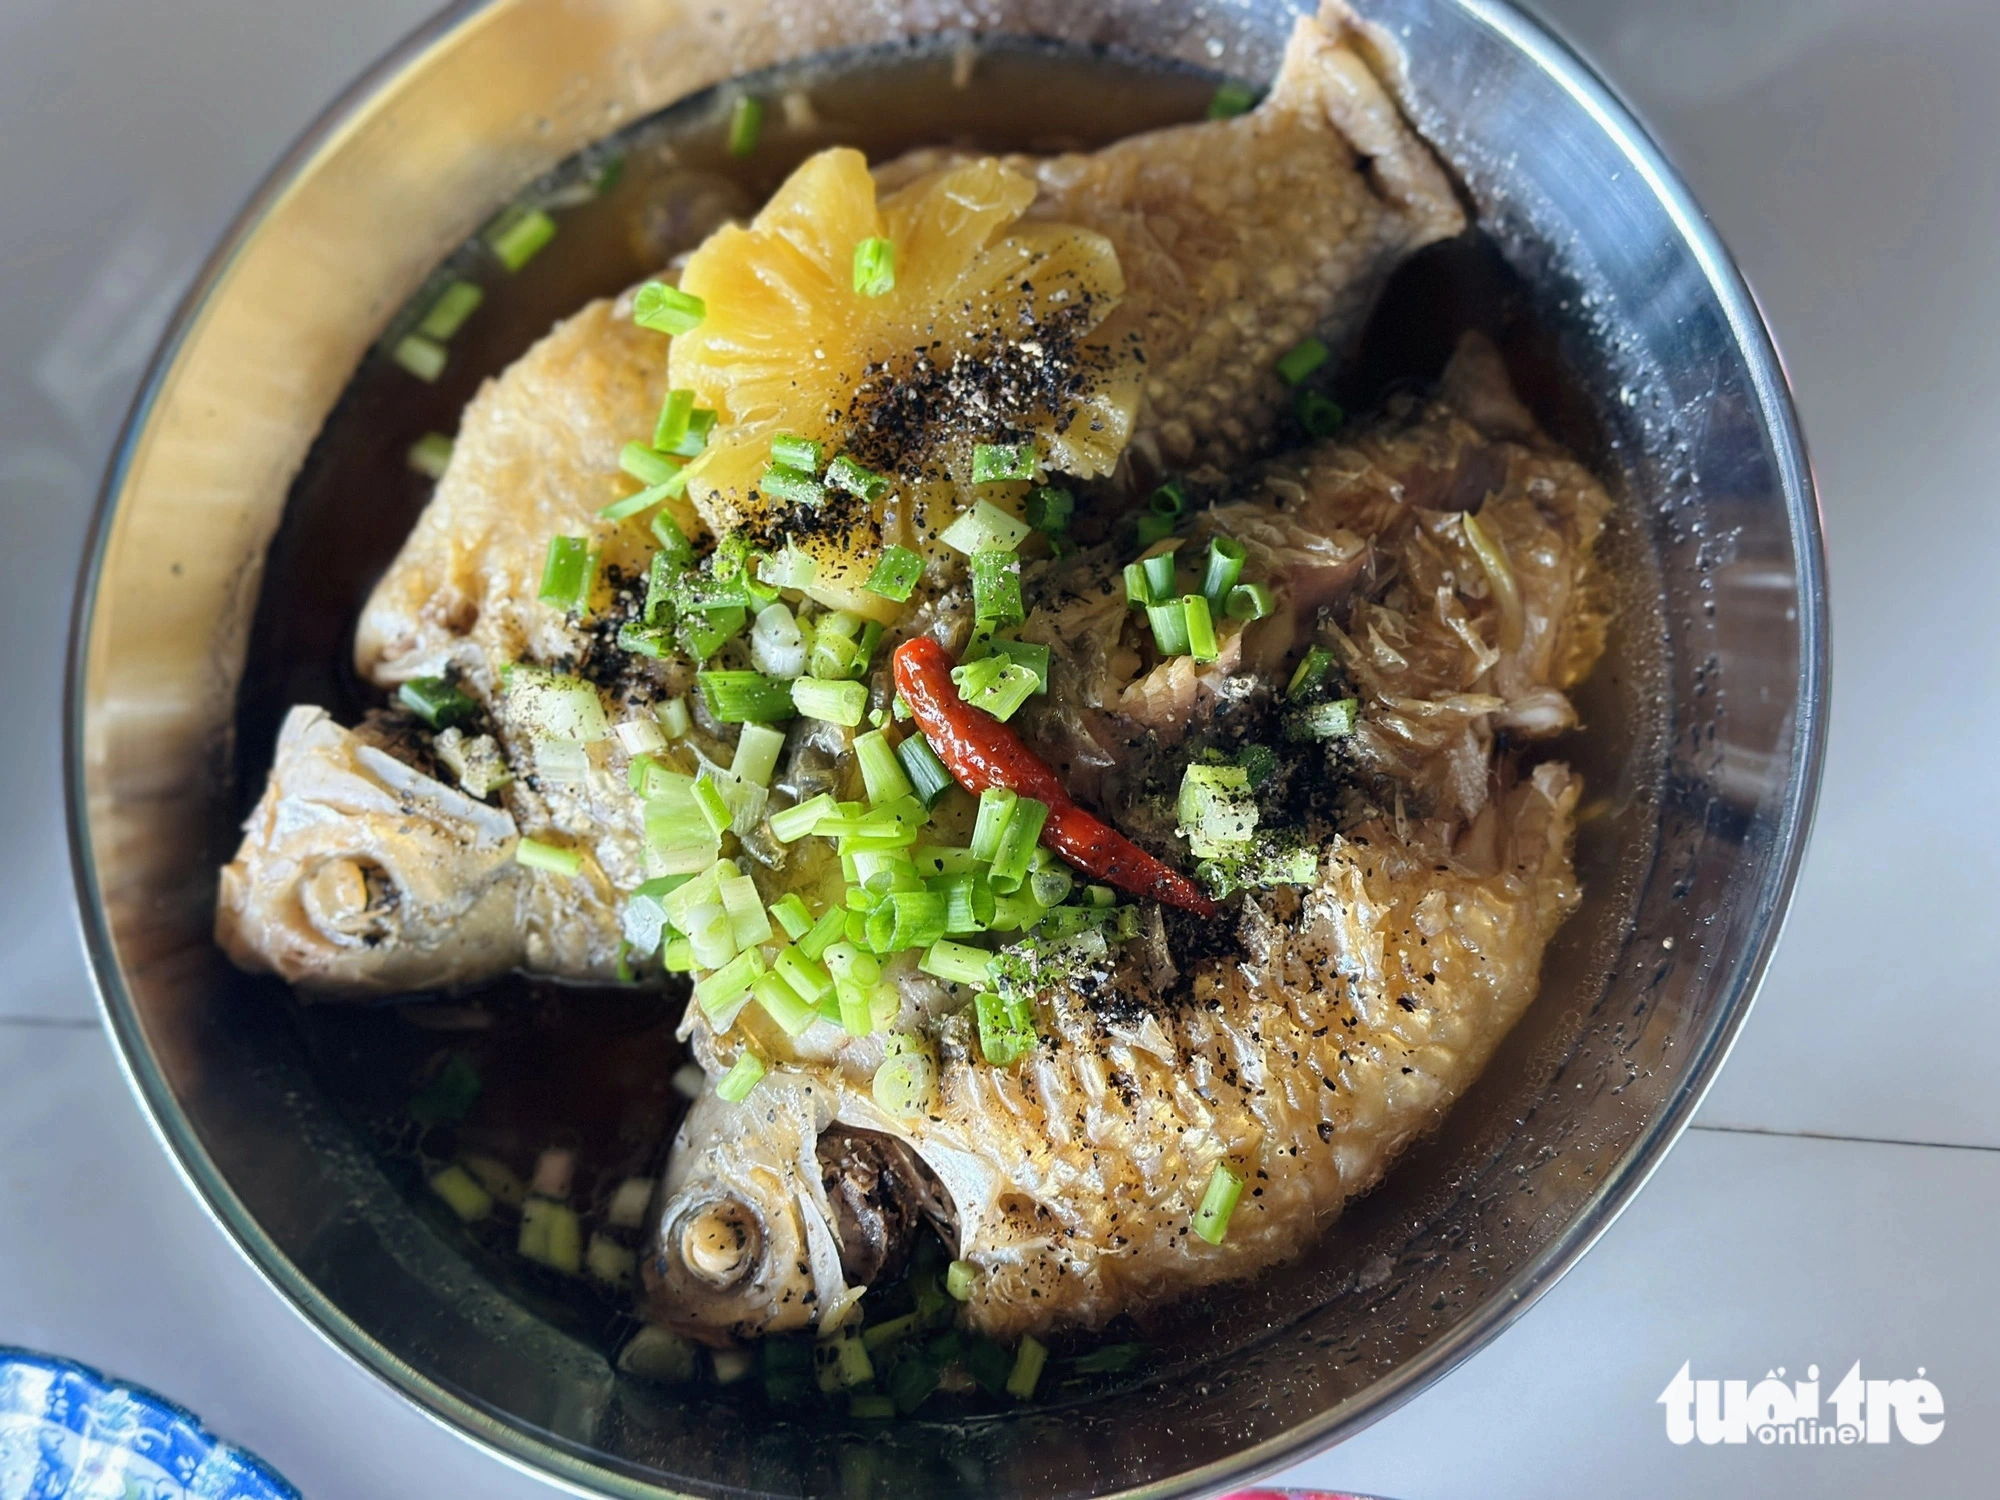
(1825, 1135)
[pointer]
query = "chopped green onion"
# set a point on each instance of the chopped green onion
(995, 684)
(875, 267)
(1202, 644)
(1259, 762)
(646, 466)
(919, 919)
(1232, 99)
(789, 568)
(906, 1080)
(1051, 886)
(1027, 1372)
(881, 771)
(457, 302)
(667, 309)
(896, 574)
(757, 749)
(968, 902)
(1218, 1202)
(1319, 416)
(728, 984)
(462, 1195)
(996, 808)
(645, 640)
(537, 855)
(794, 486)
(434, 700)
(782, 1004)
(1101, 896)
(449, 1094)
(1170, 499)
(646, 499)
(746, 124)
(1159, 570)
(792, 452)
(996, 463)
(1311, 671)
(826, 931)
(959, 1278)
(928, 777)
(714, 809)
(1225, 566)
(700, 423)
(676, 556)
(1151, 528)
(957, 963)
(678, 831)
(1302, 359)
(552, 1235)
(672, 428)
(842, 1360)
(1216, 809)
(1138, 592)
(743, 1075)
(555, 706)
(673, 717)
(793, 823)
(984, 527)
(1030, 654)
(518, 236)
(865, 1406)
(703, 632)
(996, 588)
(566, 573)
(832, 702)
(746, 697)
(804, 974)
(792, 915)
(1170, 627)
(1006, 1028)
(430, 455)
(422, 357)
(1050, 507)
(677, 957)
(864, 484)
(851, 964)
(1324, 721)
(1250, 601)
(1016, 845)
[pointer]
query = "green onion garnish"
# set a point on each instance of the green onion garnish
(1030, 654)
(795, 486)
(729, 984)
(537, 855)
(701, 422)
(996, 588)
(968, 902)
(1159, 570)
(1138, 592)
(874, 267)
(703, 632)
(1006, 1028)
(1027, 1371)
(1324, 721)
(566, 573)
(746, 697)
(928, 777)
(1050, 507)
(1260, 762)
(919, 920)
(802, 972)
(1311, 671)
(996, 463)
(1215, 807)
(462, 1194)
(454, 305)
(792, 915)
(1250, 601)
(906, 1080)
(430, 455)
(1051, 886)
(1151, 527)
(1016, 846)
(1211, 1219)
(1302, 359)
(743, 1075)
(1168, 500)
(1170, 627)
(1202, 644)
(422, 357)
(672, 428)
(673, 717)
(790, 824)
(1232, 99)
(714, 809)
(518, 235)
(667, 309)
(647, 466)
(956, 963)
(839, 702)
(867, 1407)
(882, 771)
(676, 556)
(1319, 416)
(865, 484)
(641, 500)
(996, 807)
(782, 1004)
(959, 1278)
(746, 124)
(435, 701)
(896, 574)
(791, 452)
(1225, 567)
(757, 749)
(985, 526)
(995, 685)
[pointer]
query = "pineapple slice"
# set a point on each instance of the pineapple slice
(987, 336)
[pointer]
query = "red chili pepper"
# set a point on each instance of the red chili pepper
(982, 752)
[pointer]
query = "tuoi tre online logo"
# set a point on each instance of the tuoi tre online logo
(1777, 1414)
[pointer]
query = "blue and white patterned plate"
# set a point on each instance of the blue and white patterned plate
(69, 1433)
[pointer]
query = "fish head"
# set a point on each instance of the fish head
(358, 874)
(744, 1243)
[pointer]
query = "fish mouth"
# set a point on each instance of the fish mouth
(717, 1242)
(881, 1193)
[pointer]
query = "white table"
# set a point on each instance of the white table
(1837, 1199)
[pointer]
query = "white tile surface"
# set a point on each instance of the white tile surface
(1845, 150)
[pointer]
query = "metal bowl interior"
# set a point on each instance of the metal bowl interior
(1706, 742)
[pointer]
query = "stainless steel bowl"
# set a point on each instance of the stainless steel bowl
(1708, 724)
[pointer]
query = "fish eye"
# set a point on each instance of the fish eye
(718, 1242)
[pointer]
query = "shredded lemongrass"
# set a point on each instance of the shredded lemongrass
(1218, 1202)
(743, 1075)
(667, 309)
(537, 855)
(875, 267)
(746, 125)
(1302, 359)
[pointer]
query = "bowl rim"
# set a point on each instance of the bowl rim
(1792, 820)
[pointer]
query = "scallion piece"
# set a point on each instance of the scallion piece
(672, 427)
(519, 235)
(1318, 416)
(1016, 846)
(804, 974)
(566, 573)
(1027, 1371)
(1311, 671)
(667, 309)
(430, 455)
(744, 1075)
(537, 855)
(1051, 886)
(957, 963)
(927, 774)
(1138, 592)
(959, 1279)
(862, 483)
(782, 1004)
(1160, 585)
(1049, 508)
(794, 486)
(1006, 1028)
(757, 749)
(1302, 359)
(791, 824)
(1170, 627)
(646, 499)
(746, 124)
(968, 902)
(1249, 601)
(555, 706)
(1202, 644)
(882, 771)
(985, 526)
(673, 716)
(729, 984)
(919, 919)
(996, 808)
(826, 931)
(999, 691)
(1225, 566)
(422, 357)
(1324, 721)
(1216, 808)
(701, 422)
(434, 700)
(676, 556)
(790, 913)
(714, 807)
(832, 702)
(874, 267)
(996, 463)
(793, 452)
(1218, 1202)
(1151, 528)
(746, 697)
(996, 588)
(1232, 99)
(896, 574)
(703, 632)
(1030, 654)
(457, 302)
(1170, 499)
(647, 466)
